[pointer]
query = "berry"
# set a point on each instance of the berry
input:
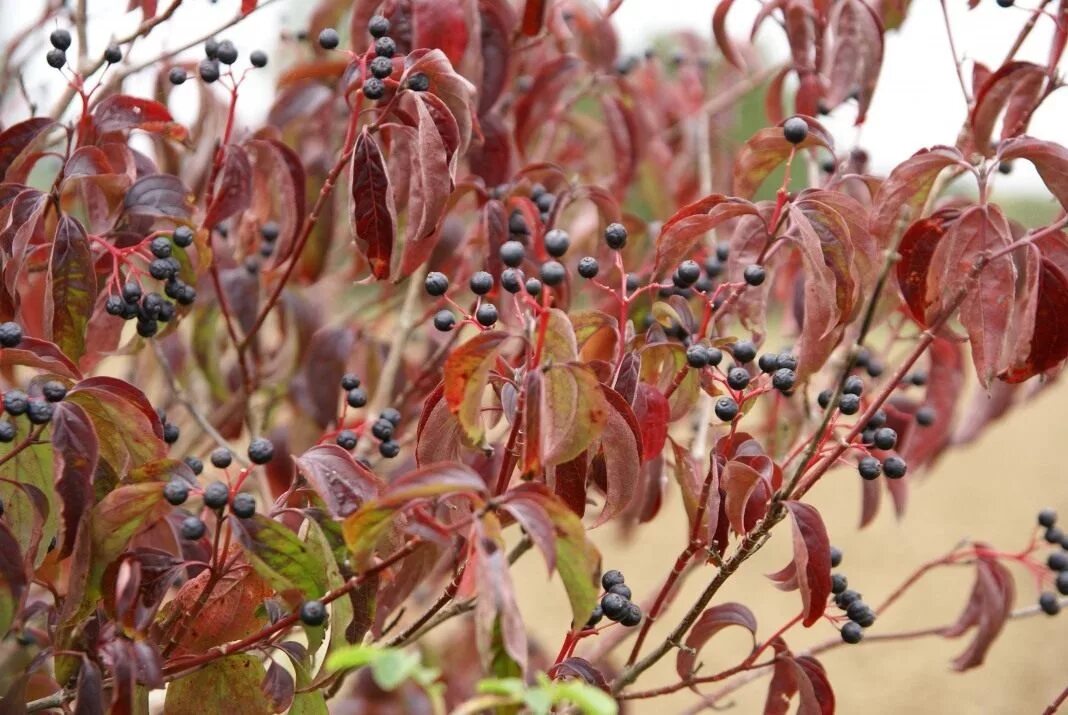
(382, 429)
(112, 55)
(715, 356)
(738, 378)
(216, 495)
(270, 231)
(389, 449)
(713, 267)
(918, 378)
(193, 528)
(260, 451)
(610, 579)
(243, 506)
(16, 402)
(208, 70)
(852, 633)
(385, 47)
(312, 613)
(845, 598)
(171, 433)
(849, 404)
(176, 492)
(754, 274)
(517, 224)
(545, 202)
(378, 26)
(860, 613)
(346, 439)
(328, 38)
(481, 283)
(1047, 518)
(697, 356)
(356, 397)
(194, 464)
(486, 315)
(1062, 583)
(726, 408)
(533, 286)
(614, 606)
(211, 48)
(349, 381)
(875, 367)
(54, 391)
(615, 235)
(768, 363)
(1006, 3)
(391, 415)
(595, 617)
(553, 273)
(853, 386)
(512, 280)
(885, 438)
(1053, 535)
(632, 617)
(633, 282)
(418, 82)
(436, 284)
(374, 88)
(258, 58)
(512, 253)
(925, 416)
(557, 242)
(226, 52)
(183, 236)
(147, 328)
(115, 305)
(1057, 561)
(40, 413)
(836, 557)
(221, 458)
(839, 583)
(7, 431)
(622, 589)
(381, 67)
(877, 420)
(783, 380)
(788, 361)
(161, 269)
(60, 39)
(869, 468)
(1049, 604)
(10, 334)
(444, 320)
(588, 267)
(795, 129)
(824, 398)
(160, 247)
(689, 272)
(895, 467)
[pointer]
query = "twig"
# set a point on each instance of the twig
(50, 702)
(956, 57)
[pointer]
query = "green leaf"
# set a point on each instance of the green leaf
(126, 425)
(31, 505)
(560, 344)
(312, 703)
(12, 578)
(341, 611)
(353, 656)
(589, 699)
(538, 701)
(229, 685)
(392, 667)
(296, 571)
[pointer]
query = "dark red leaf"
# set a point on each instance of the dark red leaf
(72, 288)
(498, 22)
(372, 205)
(17, 137)
(74, 464)
(653, 413)
(575, 667)
(278, 683)
(1013, 90)
(314, 387)
(1047, 345)
(524, 503)
(248, 6)
(533, 17)
(988, 608)
(343, 484)
(41, 355)
(917, 247)
(907, 187)
(159, 195)
(120, 112)
(767, 149)
(1050, 160)
(719, 31)
(856, 54)
(621, 444)
(683, 230)
(429, 189)
(812, 558)
(440, 25)
(537, 103)
(711, 622)
(233, 189)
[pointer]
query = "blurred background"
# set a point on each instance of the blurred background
(990, 490)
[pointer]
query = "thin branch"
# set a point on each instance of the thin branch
(956, 57)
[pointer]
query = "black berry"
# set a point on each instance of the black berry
(754, 274)
(312, 613)
(784, 379)
(852, 633)
(738, 378)
(382, 429)
(588, 267)
(614, 606)
(839, 583)
(183, 237)
(486, 315)
(356, 397)
(260, 451)
(512, 253)
(349, 381)
(697, 356)
(615, 235)
(194, 464)
(243, 506)
(1057, 561)
(1062, 583)
(444, 320)
(1049, 604)
(171, 433)
(389, 449)
(1047, 518)
(853, 386)
(418, 82)
(385, 47)
(689, 272)
(553, 273)
(192, 528)
(824, 398)
(7, 431)
(869, 468)
(16, 402)
(10, 334)
(112, 54)
(726, 408)
(533, 286)
(226, 52)
(925, 416)
(849, 404)
(258, 58)
(885, 438)
(715, 356)
(894, 467)
(1053, 535)
(374, 88)
(221, 458)
(60, 39)
(216, 495)
(176, 492)
(768, 363)
(346, 439)
(836, 557)
(481, 283)
(54, 391)
(622, 589)
(795, 129)
(436, 284)
(610, 579)
(329, 39)
(391, 415)
(512, 280)
(595, 617)
(632, 616)
(378, 26)
(557, 242)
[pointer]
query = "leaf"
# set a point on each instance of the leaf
(278, 687)
(283, 560)
(121, 112)
(451, 88)
(314, 387)
(1050, 160)
(533, 17)
(466, 373)
(440, 26)
(826, 302)
(812, 558)
(372, 211)
(767, 149)
(343, 484)
(856, 54)
(431, 184)
(248, 6)
(711, 622)
(127, 427)
(1013, 90)
(535, 105)
(1047, 345)
(653, 413)
(72, 288)
(681, 232)
(988, 609)
(917, 248)
(498, 21)
(907, 187)
(803, 676)
(525, 504)
(723, 40)
(566, 415)
(15, 138)
(233, 189)
(13, 580)
(159, 195)
(496, 611)
(41, 355)
(560, 344)
(575, 667)
(738, 482)
(230, 684)
(76, 453)
(661, 363)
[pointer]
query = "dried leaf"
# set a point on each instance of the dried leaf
(711, 622)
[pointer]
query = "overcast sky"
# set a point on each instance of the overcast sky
(918, 101)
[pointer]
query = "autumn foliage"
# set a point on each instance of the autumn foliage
(242, 471)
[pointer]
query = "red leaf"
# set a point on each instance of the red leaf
(827, 297)
(74, 465)
(439, 435)
(524, 503)
(72, 288)
(17, 137)
(575, 667)
(812, 558)
(988, 608)
(1047, 344)
(907, 187)
(1015, 90)
(248, 6)
(159, 195)
(431, 184)
(816, 696)
(498, 20)
(653, 413)
(856, 54)
(148, 8)
(739, 482)
(440, 25)
(1050, 160)
(41, 355)
(945, 389)
(723, 40)
(767, 149)
(465, 375)
(372, 210)
(917, 247)
(496, 612)
(536, 104)
(445, 84)
(681, 232)
(120, 113)
(533, 17)
(343, 483)
(711, 622)
(233, 189)
(621, 443)
(12, 577)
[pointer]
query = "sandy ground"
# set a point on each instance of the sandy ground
(990, 490)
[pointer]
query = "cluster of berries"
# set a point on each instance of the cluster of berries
(382, 66)
(1057, 561)
(38, 409)
(860, 614)
(875, 433)
(217, 495)
(216, 54)
(615, 604)
(382, 428)
(61, 39)
(150, 308)
(782, 367)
